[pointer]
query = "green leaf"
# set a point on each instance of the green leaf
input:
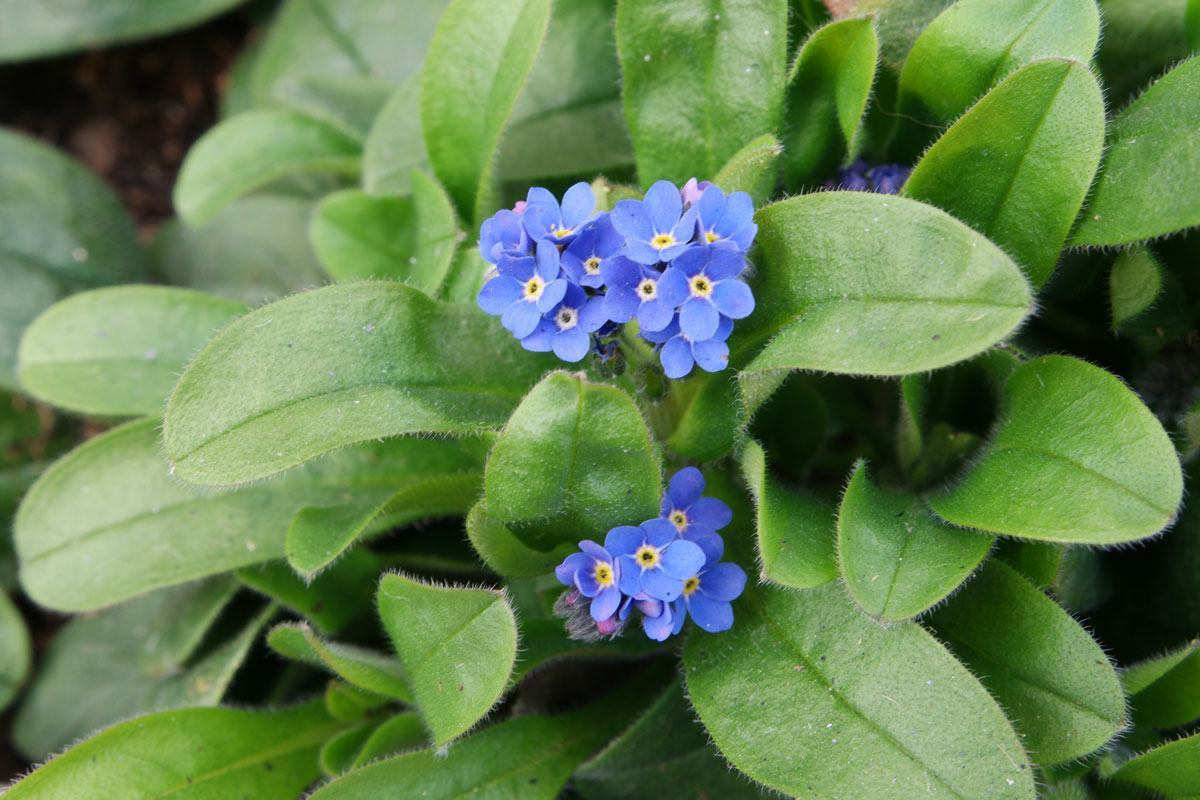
(331, 601)
(568, 121)
(507, 554)
(701, 418)
(146, 655)
(192, 754)
(876, 285)
(1163, 691)
(1134, 285)
(348, 703)
(397, 734)
(545, 641)
(408, 239)
(828, 90)
(34, 30)
(118, 351)
(664, 753)
(1038, 562)
(701, 80)
(1017, 165)
(457, 647)
(339, 752)
(1050, 676)
(249, 151)
(897, 558)
(1076, 457)
(347, 363)
(16, 655)
(109, 521)
(754, 169)
(479, 58)
(395, 146)
(843, 707)
(575, 456)
(1172, 769)
(796, 532)
(365, 669)
(63, 230)
(530, 757)
(1148, 181)
(1141, 39)
(254, 250)
(348, 103)
(975, 43)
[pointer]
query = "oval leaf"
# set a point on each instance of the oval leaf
(457, 647)
(343, 364)
(16, 655)
(1164, 692)
(1149, 184)
(754, 169)
(365, 669)
(1076, 458)
(395, 145)
(118, 351)
(830, 688)
(897, 558)
(701, 80)
(1170, 769)
(1016, 166)
(876, 285)
(505, 553)
(1045, 670)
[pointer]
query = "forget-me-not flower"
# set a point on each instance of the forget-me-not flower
(726, 220)
(653, 560)
(596, 574)
(707, 595)
(566, 328)
(685, 507)
(545, 218)
(523, 289)
(594, 247)
(678, 354)
(503, 234)
(635, 290)
(656, 228)
(713, 289)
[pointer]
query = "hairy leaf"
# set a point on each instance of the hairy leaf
(505, 552)
(1163, 691)
(1168, 769)
(332, 600)
(365, 669)
(395, 145)
(347, 103)
(754, 169)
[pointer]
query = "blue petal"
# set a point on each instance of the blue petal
(674, 251)
(663, 336)
(745, 237)
(661, 586)
(640, 251)
(711, 543)
(682, 559)
(572, 265)
(595, 551)
(565, 572)
(654, 315)
(498, 294)
(663, 205)
(608, 239)
(723, 582)
(733, 299)
(712, 354)
(724, 328)
(540, 219)
(571, 345)
(685, 229)
(542, 339)
(724, 263)
(521, 318)
(711, 615)
(624, 540)
(673, 287)
(711, 513)
(585, 581)
(659, 532)
(679, 609)
(630, 579)
(592, 316)
(620, 271)
(577, 204)
(710, 206)
(661, 627)
(519, 268)
(676, 358)
(685, 487)
(631, 220)
(548, 260)
(620, 304)
(737, 212)
(553, 294)
(691, 261)
(698, 319)
(604, 605)
(537, 194)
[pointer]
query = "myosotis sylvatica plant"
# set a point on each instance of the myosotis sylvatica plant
(495, 340)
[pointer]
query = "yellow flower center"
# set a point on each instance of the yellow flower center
(646, 556)
(603, 573)
(662, 241)
(679, 520)
(561, 232)
(592, 266)
(534, 287)
(647, 289)
(710, 237)
(691, 585)
(701, 286)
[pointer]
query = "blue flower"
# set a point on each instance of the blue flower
(678, 354)
(889, 178)
(502, 234)
(567, 327)
(596, 574)
(727, 220)
(635, 290)
(595, 246)
(707, 595)
(685, 508)
(658, 618)
(862, 177)
(713, 287)
(523, 289)
(544, 218)
(652, 559)
(656, 228)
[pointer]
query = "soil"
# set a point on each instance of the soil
(130, 113)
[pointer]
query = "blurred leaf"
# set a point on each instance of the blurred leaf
(118, 351)
(331, 601)
(348, 703)
(479, 58)
(249, 151)
(255, 250)
(193, 753)
(754, 169)
(897, 558)
(395, 146)
(16, 655)
(348, 103)
(828, 90)
(700, 418)
(796, 532)
(1038, 562)
(36, 30)
(62, 230)
(1017, 165)
(339, 752)
(1164, 692)
(870, 284)
(457, 647)
(843, 707)
(1050, 676)
(1076, 457)
(701, 80)
(1141, 39)
(1135, 283)
(365, 669)
(574, 457)
(347, 363)
(1149, 183)
(1172, 769)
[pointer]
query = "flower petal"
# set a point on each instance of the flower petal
(571, 345)
(723, 582)
(685, 229)
(663, 205)
(698, 319)
(712, 354)
(631, 220)
(548, 261)
(679, 609)
(711, 615)
(592, 316)
(685, 487)
(654, 315)
(586, 583)
(661, 586)
(659, 532)
(673, 286)
(708, 541)
(604, 605)
(724, 263)
(711, 513)
(519, 268)
(577, 204)
(710, 206)
(676, 358)
(733, 299)
(552, 295)
(565, 572)
(735, 213)
(623, 540)
(621, 304)
(542, 338)
(521, 318)
(630, 576)
(661, 627)
(640, 251)
(498, 294)
(682, 559)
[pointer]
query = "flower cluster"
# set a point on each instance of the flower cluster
(667, 568)
(862, 177)
(566, 277)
